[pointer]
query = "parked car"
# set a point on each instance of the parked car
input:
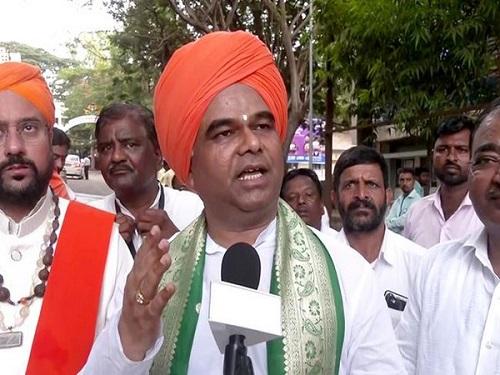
(73, 167)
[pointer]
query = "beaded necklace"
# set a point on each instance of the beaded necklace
(39, 283)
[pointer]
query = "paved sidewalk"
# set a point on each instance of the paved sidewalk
(93, 187)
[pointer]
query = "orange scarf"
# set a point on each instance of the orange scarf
(66, 327)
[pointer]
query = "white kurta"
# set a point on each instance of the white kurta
(182, 207)
(326, 229)
(369, 344)
(452, 323)
(27, 237)
(395, 267)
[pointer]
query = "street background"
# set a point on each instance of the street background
(94, 187)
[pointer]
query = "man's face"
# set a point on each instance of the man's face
(60, 152)
(26, 161)
(302, 195)
(406, 182)
(361, 198)
(128, 160)
(424, 178)
(451, 158)
(484, 177)
(237, 162)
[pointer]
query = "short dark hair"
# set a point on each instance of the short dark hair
(301, 172)
(355, 156)
(406, 170)
(60, 138)
(420, 170)
(119, 111)
(454, 125)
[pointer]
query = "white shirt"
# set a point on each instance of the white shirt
(369, 345)
(182, 208)
(452, 322)
(395, 267)
(425, 223)
(27, 237)
(326, 229)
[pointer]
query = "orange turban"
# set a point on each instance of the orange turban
(27, 81)
(200, 70)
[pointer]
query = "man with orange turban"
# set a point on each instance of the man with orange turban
(221, 119)
(63, 264)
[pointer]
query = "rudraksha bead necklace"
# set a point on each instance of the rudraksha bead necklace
(43, 268)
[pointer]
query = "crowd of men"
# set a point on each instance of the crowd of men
(122, 286)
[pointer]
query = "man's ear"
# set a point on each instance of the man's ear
(159, 158)
(333, 197)
(50, 134)
(97, 162)
(389, 196)
(190, 181)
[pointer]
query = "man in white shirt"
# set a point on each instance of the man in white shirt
(396, 217)
(448, 213)
(452, 322)
(86, 167)
(360, 192)
(63, 265)
(228, 121)
(129, 158)
(302, 190)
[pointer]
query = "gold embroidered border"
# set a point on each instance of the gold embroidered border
(308, 308)
(184, 259)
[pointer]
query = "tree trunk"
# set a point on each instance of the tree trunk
(294, 118)
(330, 107)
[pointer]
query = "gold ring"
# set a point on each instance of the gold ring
(140, 299)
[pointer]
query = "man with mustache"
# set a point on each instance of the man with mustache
(451, 325)
(63, 265)
(221, 118)
(129, 157)
(360, 193)
(448, 213)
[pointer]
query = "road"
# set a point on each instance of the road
(94, 186)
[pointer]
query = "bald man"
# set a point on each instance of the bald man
(63, 265)
(221, 131)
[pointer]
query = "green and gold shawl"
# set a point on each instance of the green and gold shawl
(303, 275)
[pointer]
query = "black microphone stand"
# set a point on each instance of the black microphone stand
(236, 360)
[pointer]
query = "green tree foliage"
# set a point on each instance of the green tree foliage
(37, 56)
(151, 33)
(92, 83)
(412, 61)
(81, 139)
(123, 65)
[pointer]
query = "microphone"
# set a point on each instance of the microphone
(240, 266)
(238, 313)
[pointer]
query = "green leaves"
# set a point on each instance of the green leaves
(412, 59)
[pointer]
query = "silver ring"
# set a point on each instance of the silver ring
(140, 299)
